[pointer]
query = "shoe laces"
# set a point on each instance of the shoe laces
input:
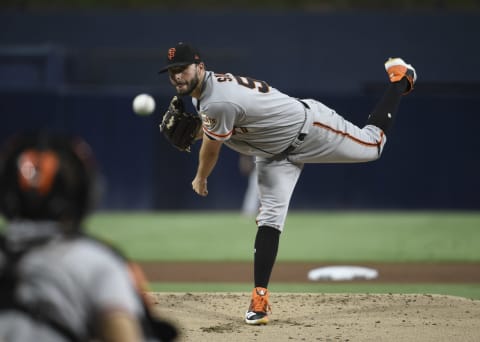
(259, 301)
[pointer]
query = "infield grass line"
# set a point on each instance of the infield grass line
(470, 291)
(339, 236)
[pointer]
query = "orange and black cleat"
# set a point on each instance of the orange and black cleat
(257, 313)
(397, 69)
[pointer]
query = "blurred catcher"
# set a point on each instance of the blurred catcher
(57, 283)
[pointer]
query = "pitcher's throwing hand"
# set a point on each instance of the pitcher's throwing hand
(200, 186)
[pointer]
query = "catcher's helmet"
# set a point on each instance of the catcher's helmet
(46, 176)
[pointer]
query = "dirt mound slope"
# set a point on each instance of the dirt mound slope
(323, 317)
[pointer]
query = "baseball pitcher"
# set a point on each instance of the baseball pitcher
(283, 133)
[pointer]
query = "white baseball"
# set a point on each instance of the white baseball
(143, 104)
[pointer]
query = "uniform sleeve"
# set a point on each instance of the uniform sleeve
(219, 119)
(114, 288)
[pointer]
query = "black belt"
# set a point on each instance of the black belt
(290, 148)
(285, 152)
(300, 137)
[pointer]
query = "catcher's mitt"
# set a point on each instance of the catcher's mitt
(179, 127)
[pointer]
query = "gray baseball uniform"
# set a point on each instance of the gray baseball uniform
(283, 133)
(70, 280)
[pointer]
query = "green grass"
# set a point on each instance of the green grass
(309, 236)
(340, 236)
(471, 291)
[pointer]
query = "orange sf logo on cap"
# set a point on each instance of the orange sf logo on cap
(171, 53)
(37, 170)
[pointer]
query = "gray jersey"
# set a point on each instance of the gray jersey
(248, 115)
(283, 132)
(71, 280)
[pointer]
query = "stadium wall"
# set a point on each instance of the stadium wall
(78, 72)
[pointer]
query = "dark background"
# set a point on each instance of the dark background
(77, 70)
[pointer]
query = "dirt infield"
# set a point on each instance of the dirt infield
(324, 317)
(320, 317)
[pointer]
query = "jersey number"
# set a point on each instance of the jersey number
(248, 82)
(251, 83)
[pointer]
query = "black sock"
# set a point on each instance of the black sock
(386, 109)
(266, 248)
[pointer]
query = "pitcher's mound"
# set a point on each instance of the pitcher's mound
(323, 317)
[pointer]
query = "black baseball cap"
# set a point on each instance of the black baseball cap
(180, 55)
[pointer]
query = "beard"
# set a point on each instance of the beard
(190, 87)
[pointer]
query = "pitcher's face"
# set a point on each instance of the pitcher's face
(185, 78)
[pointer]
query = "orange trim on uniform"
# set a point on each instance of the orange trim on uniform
(139, 281)
(345, 134)
(220, 136)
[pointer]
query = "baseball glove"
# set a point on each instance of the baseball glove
(180, 128)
